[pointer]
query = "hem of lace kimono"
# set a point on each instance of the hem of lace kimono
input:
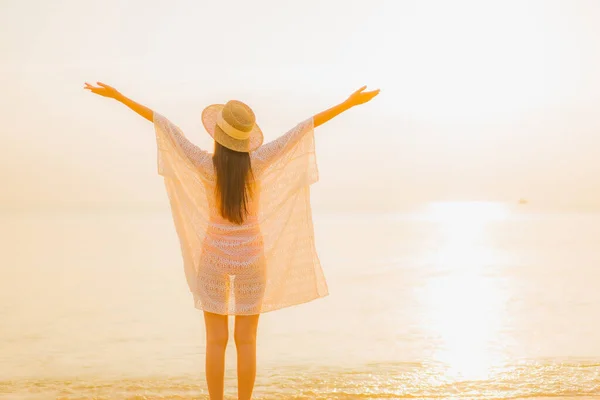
(198, 305)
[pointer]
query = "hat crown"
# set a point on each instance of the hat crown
(233, 125)
(239, 115)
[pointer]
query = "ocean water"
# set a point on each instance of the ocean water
(459, 301)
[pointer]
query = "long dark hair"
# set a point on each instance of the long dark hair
(235, 183)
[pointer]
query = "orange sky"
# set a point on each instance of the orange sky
(490, 100)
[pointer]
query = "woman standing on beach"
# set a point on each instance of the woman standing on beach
(243, 218)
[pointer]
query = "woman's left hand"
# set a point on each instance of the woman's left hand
(361, 97)
(103, 90)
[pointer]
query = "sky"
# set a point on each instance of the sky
(480, 100)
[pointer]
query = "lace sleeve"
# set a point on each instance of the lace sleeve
(200, 158)
(269, 153)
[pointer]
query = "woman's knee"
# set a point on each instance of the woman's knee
(217, 338)
(244, 337)
(217, 331)
(245, 330)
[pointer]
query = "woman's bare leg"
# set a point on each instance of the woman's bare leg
(245, 343)
(217, 334)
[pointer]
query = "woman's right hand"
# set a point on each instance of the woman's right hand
(103, 90)
(361, 97)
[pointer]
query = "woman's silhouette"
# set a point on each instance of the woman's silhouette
(242, 215)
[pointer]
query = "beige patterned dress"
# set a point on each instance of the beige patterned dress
(270, 261)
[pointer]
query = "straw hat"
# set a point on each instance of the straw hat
(233, 125)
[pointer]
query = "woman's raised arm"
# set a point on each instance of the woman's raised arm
(199, 157)
(270, 152)
(110, 92)
(356, 98)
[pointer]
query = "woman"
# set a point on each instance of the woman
(243, 220)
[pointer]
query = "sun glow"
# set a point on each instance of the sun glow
(464, 303)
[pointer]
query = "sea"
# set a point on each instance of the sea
(463, 300)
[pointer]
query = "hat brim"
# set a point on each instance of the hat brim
(209, 120)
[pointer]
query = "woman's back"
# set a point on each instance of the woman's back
(215, 213)
(232, 245)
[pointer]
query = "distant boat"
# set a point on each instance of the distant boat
(523, 201)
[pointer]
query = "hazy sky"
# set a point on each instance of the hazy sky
(480, 100)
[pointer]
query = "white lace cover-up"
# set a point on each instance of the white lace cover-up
(270, 261)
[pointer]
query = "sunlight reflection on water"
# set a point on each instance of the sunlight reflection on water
(463, 308)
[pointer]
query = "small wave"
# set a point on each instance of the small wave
(374, 381)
